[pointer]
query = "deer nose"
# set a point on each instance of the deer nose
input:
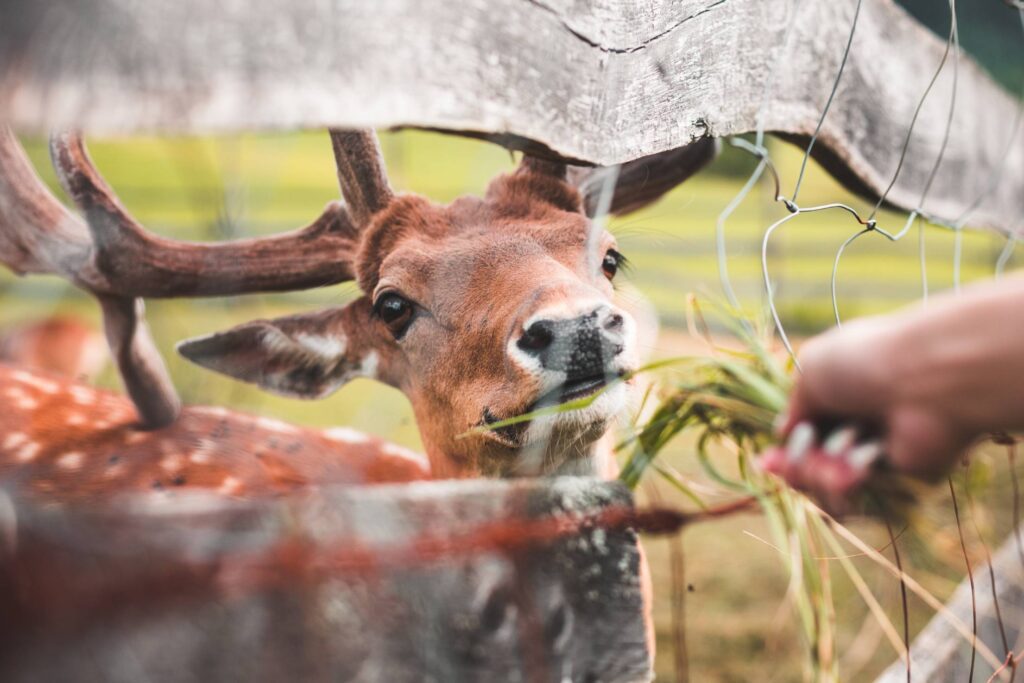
(537, 337)
(581, 346)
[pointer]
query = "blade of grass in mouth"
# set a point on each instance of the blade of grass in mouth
(579, 403)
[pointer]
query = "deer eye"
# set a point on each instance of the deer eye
(613, 260)
(396, 312)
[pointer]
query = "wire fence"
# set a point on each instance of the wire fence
(867, 223)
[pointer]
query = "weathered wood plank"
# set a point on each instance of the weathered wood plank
(940, 654)
(603, 81)
(391, 583)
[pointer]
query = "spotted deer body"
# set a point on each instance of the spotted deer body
(69, 441)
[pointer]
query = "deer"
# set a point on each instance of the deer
(62, 344)
(480, 310)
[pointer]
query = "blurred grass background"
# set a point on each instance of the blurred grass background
(738, 626)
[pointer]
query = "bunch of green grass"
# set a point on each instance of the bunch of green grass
(735, 397)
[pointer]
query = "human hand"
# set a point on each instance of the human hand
(868, 395)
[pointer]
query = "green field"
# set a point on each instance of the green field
(208, 189)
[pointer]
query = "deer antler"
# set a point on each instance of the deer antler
(361, 173)
(111, 256)
(145, 265)
(38, 235)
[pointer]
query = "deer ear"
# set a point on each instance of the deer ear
(643, 181)
(302, 356)
(536, 181)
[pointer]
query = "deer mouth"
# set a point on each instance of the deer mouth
(511, 436)
(575, 388)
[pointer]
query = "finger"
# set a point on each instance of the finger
(833, 471)
(787, 460)
(924, 445)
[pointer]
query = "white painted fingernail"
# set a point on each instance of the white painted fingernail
(865, 455)
(800, 441)
(840, 440)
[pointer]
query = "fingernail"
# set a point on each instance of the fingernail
(840, 440)
(865, 455)
(780, 422)
(800, 441)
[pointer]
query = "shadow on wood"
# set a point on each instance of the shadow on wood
(603, 82)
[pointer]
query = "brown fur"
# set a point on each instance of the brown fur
(480, 267)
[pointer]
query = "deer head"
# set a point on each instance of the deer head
(480, 310)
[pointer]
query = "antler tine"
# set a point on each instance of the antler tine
(361, 173)
(38, 235)
(139, 363)
(141, 264)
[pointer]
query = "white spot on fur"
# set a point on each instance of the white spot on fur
(641, 322)
(527, 362)
(21, 376)
(26, 403)
(328, 348)
(406, 454)
(71, 461)
(46, 386)
(82, 396)
(201, 455)
(230, 486)
(171, 463)
(28, 452)
(136, 437)
(12, 441)
(215, 411)
(114, 471)
(346, 435)
(368, 366)
(273, 425)
(276, 341)
(75, 419)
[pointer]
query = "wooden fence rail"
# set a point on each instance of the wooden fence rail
(602, 82)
